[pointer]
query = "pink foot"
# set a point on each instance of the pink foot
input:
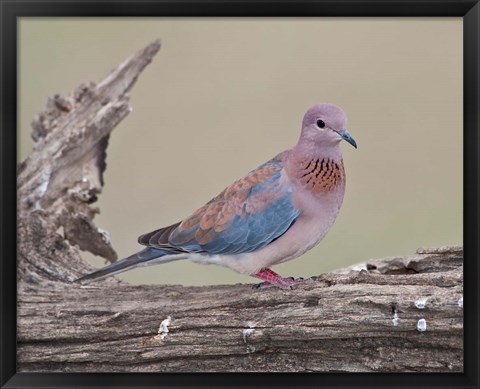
(273, 279)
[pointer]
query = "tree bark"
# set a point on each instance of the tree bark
(391, 315)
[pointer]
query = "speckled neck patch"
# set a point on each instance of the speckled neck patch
(321, 175)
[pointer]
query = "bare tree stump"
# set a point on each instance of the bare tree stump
(391, 315)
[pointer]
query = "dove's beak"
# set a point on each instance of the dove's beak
(346, 136)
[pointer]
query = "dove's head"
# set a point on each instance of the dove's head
(325, 125)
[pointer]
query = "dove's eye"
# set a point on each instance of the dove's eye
(321, 123)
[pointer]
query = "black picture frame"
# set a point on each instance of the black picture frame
(10, 12)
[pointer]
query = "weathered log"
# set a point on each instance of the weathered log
(390, 315)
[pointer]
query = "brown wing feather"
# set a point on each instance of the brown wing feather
(215, 216)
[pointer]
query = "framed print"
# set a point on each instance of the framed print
(285, 144)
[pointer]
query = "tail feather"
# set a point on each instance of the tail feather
(146, 257)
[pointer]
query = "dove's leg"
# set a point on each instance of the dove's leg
(273, 279)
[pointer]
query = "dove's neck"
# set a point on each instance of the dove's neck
(305, 148)
(318, 169)
(316, 148)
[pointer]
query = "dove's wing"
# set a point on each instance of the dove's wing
(245, 217)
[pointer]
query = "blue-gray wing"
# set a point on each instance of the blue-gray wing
(245, 217)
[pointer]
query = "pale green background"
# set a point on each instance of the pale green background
(225, 95)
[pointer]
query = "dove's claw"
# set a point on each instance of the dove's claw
(273, 279)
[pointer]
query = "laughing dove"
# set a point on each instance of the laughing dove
(275, 213)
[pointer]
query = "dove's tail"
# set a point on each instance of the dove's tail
(146, 257)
